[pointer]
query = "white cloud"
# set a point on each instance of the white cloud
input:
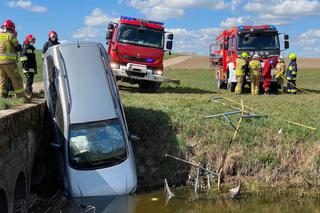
(230, 22)
(27, 5)
(194, 40)
(309, 42)
(89, 32)
(166, 9)
(97, 17)
(282, 12)
(94, 25)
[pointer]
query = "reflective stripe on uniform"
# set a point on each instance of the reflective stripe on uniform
(30, 70)
(294, 73)
(290, 68)
(4, 58)
(24, 58)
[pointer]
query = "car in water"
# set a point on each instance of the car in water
(90, 134)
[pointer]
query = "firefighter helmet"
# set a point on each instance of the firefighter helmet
(53, 36)
(280, 58)
(293, 56)
(8, 24)
(244, 55)
(29, 38)
(255, 56)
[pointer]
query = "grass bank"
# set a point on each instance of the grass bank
(259, 152)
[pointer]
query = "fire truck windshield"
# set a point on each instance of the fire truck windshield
(258, 41)
(141, 36)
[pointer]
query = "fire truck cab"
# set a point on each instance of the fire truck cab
(136, 49)
(262, 40)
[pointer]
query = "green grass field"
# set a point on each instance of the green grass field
(175, 116)
(258, 150)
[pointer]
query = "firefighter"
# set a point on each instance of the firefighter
(255, 69)
(9, 47)
(28, 61)
(52, 41)
(266, 74)
(292, 71)
(279, 70)
(241, 66)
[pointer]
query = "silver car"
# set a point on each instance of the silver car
(90, 130)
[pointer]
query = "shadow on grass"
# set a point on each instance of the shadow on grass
(158, 138)
(168, 89)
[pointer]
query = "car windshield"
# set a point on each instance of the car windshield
(97, 144)
(258, 41)
(141, 36)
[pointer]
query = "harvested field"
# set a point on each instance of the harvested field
(202, 62)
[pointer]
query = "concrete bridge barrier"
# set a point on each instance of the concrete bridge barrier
(22, 134)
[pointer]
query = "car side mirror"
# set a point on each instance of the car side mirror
(135, 138)
(109, 34)
(169, 45)
(55, 146)
(110, 26)
(286, 37)
(170, 36)
(286, 44)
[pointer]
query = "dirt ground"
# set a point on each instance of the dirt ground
(202, 62)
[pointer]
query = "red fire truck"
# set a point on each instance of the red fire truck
(136, 49)
(262, 40)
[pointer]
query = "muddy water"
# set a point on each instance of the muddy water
(187, 202)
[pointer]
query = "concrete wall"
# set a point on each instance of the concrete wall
(21, 137)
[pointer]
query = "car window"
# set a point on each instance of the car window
(97, 144)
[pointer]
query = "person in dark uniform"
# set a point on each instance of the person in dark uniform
(28, 61)
(52, 40)
(292, 72)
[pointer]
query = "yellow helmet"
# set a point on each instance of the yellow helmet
(244, 55)
(292, 56)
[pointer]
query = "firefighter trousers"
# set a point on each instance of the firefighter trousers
(29, 82)
(10, 71)
(291, 87)
(238, 89)
(255, 84)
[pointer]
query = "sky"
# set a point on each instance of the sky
(195, 23)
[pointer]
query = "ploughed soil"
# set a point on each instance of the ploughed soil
(202, 62)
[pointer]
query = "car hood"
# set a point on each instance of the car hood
(116, 180)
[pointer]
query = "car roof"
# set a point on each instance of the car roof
(87, 84)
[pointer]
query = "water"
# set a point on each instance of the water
(188, 202)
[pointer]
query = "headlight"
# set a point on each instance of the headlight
(158, 72)
(114, 65)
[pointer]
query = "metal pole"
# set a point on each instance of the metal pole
(196, 186)
(192, 164)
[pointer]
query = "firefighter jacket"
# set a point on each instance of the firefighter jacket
(292, 71)
(255, 67)
(28, 59)
(280, 69)
(48, 44)
(9, 47)
(241, 65)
